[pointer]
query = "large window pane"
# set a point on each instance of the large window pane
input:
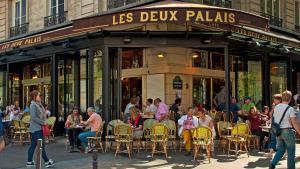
(201, 59)
(297, 13)
(218, 61)
(98, 81)
(132, 58)
(277, 8)
(17, 14)
(278, 77)
(83, 86)
(250, 81)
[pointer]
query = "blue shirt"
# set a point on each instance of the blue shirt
(234, 108)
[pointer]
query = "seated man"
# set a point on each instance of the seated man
(94, 122)
(73, 120)
(162, 110)
(187, 123)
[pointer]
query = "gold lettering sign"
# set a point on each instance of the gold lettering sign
(174, 15)
(19, 43)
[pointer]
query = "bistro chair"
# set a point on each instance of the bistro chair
(239, 137)
(146, 130)
(123, 135)
(159, 134)
(19, 131)
(110, 132)
(212, 113)
(51, 122)
(202, 136)
(172, 132)
(253, 140)
(223, 128)
(26, 118)
(96, 141)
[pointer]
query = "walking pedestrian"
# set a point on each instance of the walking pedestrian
(285, 116)
(38, 118)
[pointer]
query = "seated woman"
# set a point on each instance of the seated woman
(187, 123)
(255, 122)
(206, 121)
(136, 121)
(73, 120)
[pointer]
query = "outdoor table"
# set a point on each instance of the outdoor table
(75, 129)
(146, 116)
(265, 127)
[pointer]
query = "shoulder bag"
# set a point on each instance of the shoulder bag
(275, 128)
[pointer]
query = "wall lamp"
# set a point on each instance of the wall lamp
(67, 45)
(161, 55)
(127, 40)
(206, 41)
(195, 55)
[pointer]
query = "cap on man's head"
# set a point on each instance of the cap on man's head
(91, 109)
(247, 98)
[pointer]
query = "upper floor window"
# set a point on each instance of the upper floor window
(19, 19)
(271, 9)
(57, 13)
(297, 16)
(57, 7)
(111, 4)
(220, 3)
(20, 12)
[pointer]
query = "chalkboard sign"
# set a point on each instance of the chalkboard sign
(177, 83)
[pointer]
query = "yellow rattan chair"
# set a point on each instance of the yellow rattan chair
(123, 135)
(159, 134)
(19, 131)
(146, 130)
(110, 132)
(202, 136)
(172, 132)
(239, 137)
(96, 142)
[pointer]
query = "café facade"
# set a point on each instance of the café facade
(163, 50)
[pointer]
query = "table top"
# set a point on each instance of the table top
(229, 128)
(4, 121)
(75, 127)
(144, 116)
(265, 127)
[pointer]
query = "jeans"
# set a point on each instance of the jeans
(34, 139)
(286, 141)
(272, 144)
(83, 137)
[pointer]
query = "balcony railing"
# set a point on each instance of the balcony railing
(297, 28)
(54, 19)
(111, 4)
(18, 30)
(273, 19)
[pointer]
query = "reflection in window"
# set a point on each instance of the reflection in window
(278, 73)
(132, 58)
(218, 61)
(250, 81)
(98, 81)
(83, 87)
(200, 59)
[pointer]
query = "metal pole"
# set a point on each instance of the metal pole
(39, 154)
(227, 82)
(95, 157)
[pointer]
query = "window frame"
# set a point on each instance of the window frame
(297, 22)
(273, 8)
(18, 20)
(51, 6)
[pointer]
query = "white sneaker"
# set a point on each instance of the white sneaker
(30, 164)
(50, 163)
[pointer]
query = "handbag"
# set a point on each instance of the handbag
(275, 128)
(46, 130)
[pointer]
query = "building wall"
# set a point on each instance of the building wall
(75, 9)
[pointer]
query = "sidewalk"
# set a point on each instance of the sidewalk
(15, 157)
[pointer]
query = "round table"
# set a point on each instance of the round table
(74, 130)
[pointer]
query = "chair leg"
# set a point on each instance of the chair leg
(245, 145)
(208, 149)
(128, 149)
(153, 148)
(229, 142)
(165, 149)
(236, 149)
(195, 152)
(117, 148)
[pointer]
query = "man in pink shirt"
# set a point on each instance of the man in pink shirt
(162, 110)
(94, 122)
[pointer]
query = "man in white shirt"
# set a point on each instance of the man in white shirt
(150, 106)
(286, 139)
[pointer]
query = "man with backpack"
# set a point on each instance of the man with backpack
(283, 125)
